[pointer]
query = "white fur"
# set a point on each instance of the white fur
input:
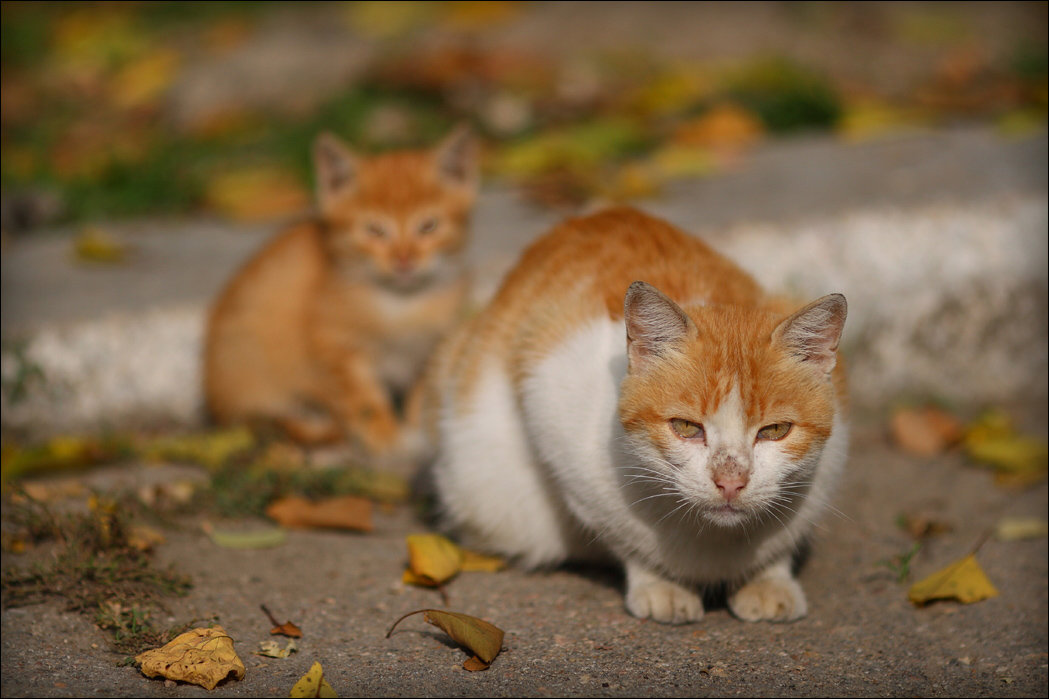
(519, 473)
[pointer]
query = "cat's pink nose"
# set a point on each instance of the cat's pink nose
(729, 486)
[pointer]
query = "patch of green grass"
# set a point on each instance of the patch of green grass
(96, 571)
(786, 95)
(900, 564)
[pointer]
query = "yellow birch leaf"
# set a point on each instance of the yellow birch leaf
(992, 440)
(433, 559)
(1018, 528)
(267, 538)
(473, 561)
(201, 656)
(963, 580)
(272, 649)
(481, 638)
(313, 684)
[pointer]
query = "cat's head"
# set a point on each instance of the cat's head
(400, 218)
(729, 408)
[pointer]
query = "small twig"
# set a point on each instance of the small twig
(273, 619)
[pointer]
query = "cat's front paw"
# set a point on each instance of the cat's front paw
(769, 599)
(664, 601)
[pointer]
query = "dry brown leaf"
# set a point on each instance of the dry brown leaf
(345, 512)
(963, 580)
(725, 126)
(201, 656)
(925, 431)
(313, 684)
(923, 526)
(481, 638)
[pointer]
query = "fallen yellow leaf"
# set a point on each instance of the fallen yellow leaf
(1018, 528)
(96, 245)
(346, 512)
(963, 580)
(272, 649)
(473, 561)
(256, 194)
(992, 440)
(313, 684)
(481, 638)
(432, 559)
(201, 656)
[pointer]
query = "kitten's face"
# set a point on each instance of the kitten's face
(728, 420)
(398, 219)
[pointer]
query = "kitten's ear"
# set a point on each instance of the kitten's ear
(456, 159)
(812, 334)
(654, 324)
(336, 169)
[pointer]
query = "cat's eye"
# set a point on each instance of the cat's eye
(375, 230)
(428, 226)
(686, 429)
(775, 431)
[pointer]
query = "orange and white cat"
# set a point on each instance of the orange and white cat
(324, 327)
(631, 393)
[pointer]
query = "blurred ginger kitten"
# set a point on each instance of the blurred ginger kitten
(322, 330)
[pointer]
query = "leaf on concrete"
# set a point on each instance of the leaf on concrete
(201, 656)
(921, 526)
(1019, 528)
(209, 449)
(481, 638)
(96, 245)
(313, 684)
(963, 580)
(272, 649)
(993, 441)
(473, 561)
(345, 512)
(925, 431)
(724, 126)
(432, 560)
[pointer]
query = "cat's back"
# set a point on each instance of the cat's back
(580, 271)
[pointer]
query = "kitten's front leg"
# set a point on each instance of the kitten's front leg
(772, 595)
(650, 595)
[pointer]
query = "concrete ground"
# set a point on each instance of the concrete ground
(938, 238)
(567, 633)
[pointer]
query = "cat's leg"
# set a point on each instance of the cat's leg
(362, 403)
(649, 595)
(772, 595)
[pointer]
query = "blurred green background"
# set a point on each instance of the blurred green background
(132, 109)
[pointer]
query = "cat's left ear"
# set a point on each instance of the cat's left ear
(456, 159)
(336, 169)
(655, 325)
(813, 333)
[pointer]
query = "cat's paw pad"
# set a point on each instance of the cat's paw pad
(769, 600)
(664, 602)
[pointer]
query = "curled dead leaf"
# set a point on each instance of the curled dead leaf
(481, 638)
(201, 656)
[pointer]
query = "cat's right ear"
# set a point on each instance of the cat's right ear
(655, 325)
(335, 167)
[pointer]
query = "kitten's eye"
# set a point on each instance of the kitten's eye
(428, 226)
(375, 230)
(687, 429)
(774, 431)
